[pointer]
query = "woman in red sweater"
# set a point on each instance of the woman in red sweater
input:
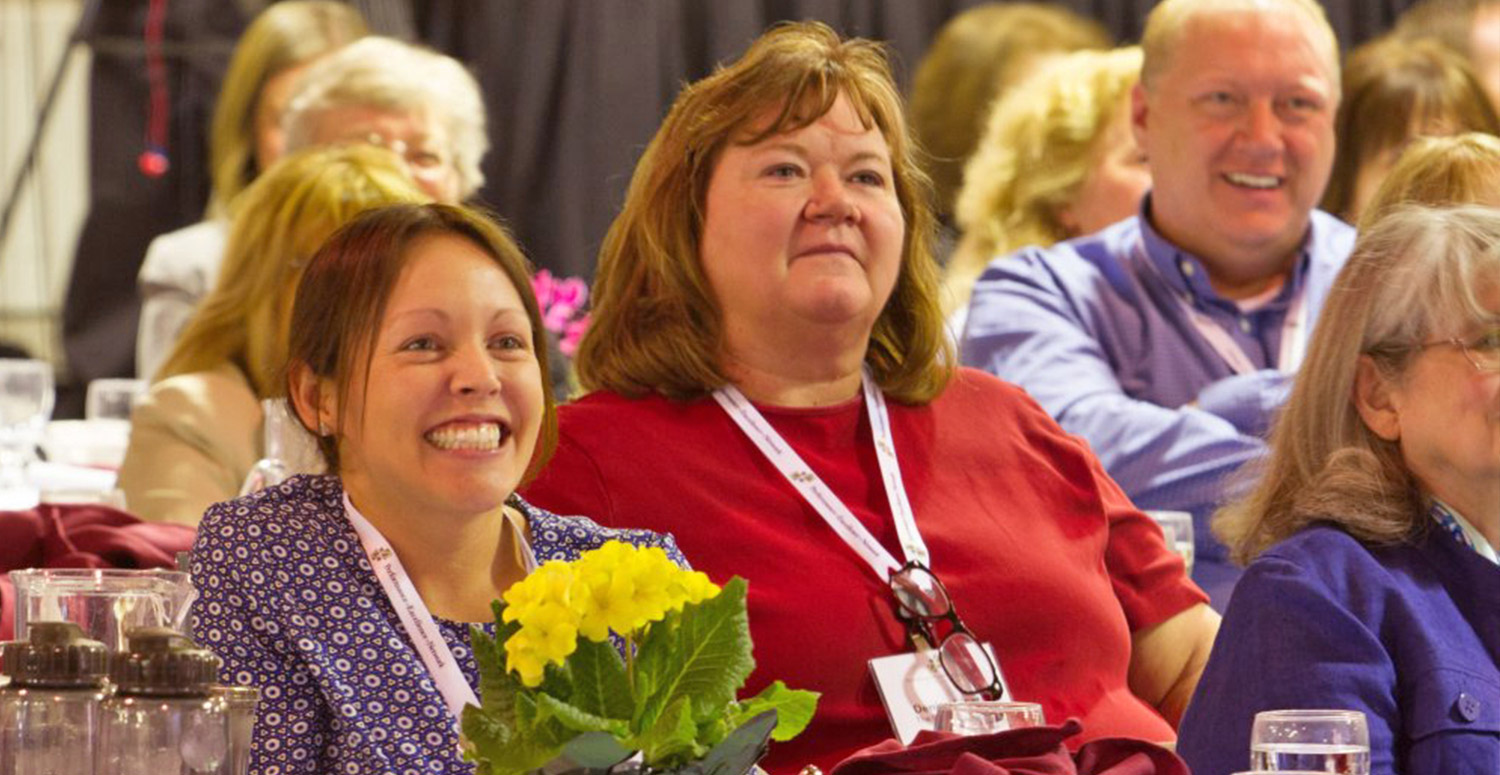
(771, 383)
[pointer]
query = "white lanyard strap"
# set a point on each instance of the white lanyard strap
(420, 627)
(820, 496)
(1293, 326)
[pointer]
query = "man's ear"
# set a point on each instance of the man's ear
(1374, 398)
(313, 399)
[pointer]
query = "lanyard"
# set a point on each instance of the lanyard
(817, 493)
(420, 627)
(1293, 342)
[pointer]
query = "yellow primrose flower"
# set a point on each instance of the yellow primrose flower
(547, 584)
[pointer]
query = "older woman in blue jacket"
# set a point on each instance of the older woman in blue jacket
(1373, 530)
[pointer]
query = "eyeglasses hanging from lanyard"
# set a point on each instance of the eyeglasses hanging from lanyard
(922, 602)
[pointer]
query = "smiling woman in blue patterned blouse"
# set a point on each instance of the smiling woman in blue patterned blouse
(346, 598)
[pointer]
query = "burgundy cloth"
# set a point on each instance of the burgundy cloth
(1030, 751)
(81, 536)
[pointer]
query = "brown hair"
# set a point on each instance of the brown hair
(656, 326)
(1450, 22)
(1417, 271)
(975, 59)
(283, 36)
(344, 292)
(286, 214)
(1392, 88)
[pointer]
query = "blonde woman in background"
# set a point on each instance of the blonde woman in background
(976, 58)
(245, 139)
(1440, 170)
(198, 432)
(1057, 160)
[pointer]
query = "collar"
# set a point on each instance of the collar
(1462, 531)
(1186, 274)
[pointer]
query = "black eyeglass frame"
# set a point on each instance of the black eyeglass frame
(921, 625)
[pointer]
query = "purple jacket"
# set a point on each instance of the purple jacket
(1408, 634)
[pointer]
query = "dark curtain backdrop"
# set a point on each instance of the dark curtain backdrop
(574, 90)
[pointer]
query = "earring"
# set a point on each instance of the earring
(323, 428)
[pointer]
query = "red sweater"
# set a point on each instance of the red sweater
(1043, 554)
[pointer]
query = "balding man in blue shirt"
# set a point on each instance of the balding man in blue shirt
(1168, 340)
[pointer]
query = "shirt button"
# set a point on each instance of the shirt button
(1186, 267)
(1468, 706)
(1245, 325)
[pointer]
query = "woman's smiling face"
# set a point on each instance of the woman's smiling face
(448, 416)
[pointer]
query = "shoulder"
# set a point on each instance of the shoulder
(610, 416)
(304, 511)
(217, 392)
(1336, 565)
(556, 537)
(178, 256)
(978, 396)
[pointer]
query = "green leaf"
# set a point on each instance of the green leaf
(742, 748)
(600, 686)
(794, 709)
(701, 656)
(577, 719)
(507, 735)
(595, 751)
(671, 741)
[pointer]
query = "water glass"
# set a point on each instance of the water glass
(112, 399)
(26, 398)
(985, 717)
(1177, 528)
(1328, 741)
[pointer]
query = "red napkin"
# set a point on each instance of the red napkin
(1029, 751)
(81, 536)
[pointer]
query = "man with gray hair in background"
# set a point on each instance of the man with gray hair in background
(1168, 340)
(423, 105)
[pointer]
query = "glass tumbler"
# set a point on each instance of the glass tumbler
(984, 717)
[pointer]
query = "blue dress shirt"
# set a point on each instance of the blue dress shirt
(1408, 634)
(1096, 329)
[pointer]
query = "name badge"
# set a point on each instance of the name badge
(913, 685)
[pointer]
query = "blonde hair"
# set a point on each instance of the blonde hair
(284, 216)
(1436, 171)
(388, 74)
(1166, 21)
(283, 36)
(1392, 87)
(656, 326)
(974, 59)
(1415, 273)
(1041, 141)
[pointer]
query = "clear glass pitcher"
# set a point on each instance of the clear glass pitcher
(106, 603)
(166, 715)
(49, 714)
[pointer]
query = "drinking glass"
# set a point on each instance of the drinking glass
(1335, 741)
(1177, 528)
(981, 717)
(25, 405)
(112, 399)
(106, 602)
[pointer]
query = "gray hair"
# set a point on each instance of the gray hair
(1415, 274)
(388, 74)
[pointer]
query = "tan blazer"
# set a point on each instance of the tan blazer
(193, 440)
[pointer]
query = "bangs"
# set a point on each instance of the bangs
(810, 98)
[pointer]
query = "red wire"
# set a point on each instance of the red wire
(156, 75)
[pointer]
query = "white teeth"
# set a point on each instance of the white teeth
(1253, 181)
(476, 437)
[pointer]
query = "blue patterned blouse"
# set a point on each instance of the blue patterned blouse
(289, 602)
